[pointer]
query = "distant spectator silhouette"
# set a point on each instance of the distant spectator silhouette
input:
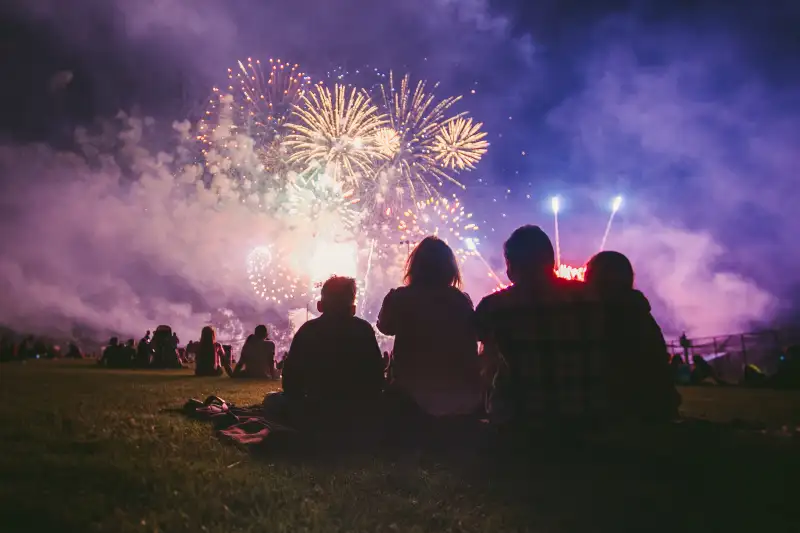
(113, 355)
(73, 351)
(435, 363)
(209, 354)
(548, 340)
(639, 378)
(258, 357)
(337, 343)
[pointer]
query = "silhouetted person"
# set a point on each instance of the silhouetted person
(165, 353)
(73, 352)
(175, 340)
(258, 357)
(113, 355)
(788, 374)
(435, 363)
(546, 339)
(686, 344)
(333, 374)
(210, 354)
(144, 352)
(128, 353)
(639, 376)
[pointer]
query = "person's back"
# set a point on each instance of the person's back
(258, 357)
(549, 337)
(553, 355)
(334, 371)
(209, 354)
(639, 375)
(435, 355)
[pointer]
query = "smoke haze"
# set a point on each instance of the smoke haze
(701, 137)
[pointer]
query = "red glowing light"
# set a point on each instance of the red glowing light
(563, 271)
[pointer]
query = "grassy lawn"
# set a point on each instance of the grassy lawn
(86, 449)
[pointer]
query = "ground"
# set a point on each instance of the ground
(86, 449)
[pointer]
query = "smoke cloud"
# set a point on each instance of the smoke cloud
(126, 232)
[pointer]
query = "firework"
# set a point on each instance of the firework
(443, 218)
(459, 144)
(368, 78)
(262, 98)
(416, 118)
(270, 280)
(336, 130)
(329, 206)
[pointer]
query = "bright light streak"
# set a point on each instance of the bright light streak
(616, 204)
(470, 244)
(555, 204)
(331, 258)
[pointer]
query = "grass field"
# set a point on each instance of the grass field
(86, 449)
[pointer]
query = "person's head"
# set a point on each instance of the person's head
(130, 343)
(147, 334)
(261, 332)
(432, 264)
(208, 335)
(610, 272)
(113, 341)
(338, 296)
(529, 255)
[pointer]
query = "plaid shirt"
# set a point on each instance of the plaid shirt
(553, 346)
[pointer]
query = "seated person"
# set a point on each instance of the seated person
(258, 357)
(333, 374)
(639, 375)
(210, 354)
(113, 355)
(545, 340)
(435, 364)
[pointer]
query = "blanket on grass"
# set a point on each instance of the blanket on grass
(245, 426)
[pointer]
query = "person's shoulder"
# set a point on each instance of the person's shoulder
(361, 325)
(497, 299)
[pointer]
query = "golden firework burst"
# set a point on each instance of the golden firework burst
(416, 117)
(460, 144)
(337, 130)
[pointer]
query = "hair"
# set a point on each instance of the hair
(433, 264)
(338, 293)
(610, 271)
(529, 250)
(208, 337)
(261, 331)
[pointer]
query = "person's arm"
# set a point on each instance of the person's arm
(387, 317)
(489, 351)
(373, 359)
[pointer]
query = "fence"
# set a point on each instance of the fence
(729, 354)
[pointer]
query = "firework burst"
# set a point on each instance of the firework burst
(329, 206)
(460, 144)
(442, 217)
(337, 130)
(270, 280)
(262, 98)
(416, 118)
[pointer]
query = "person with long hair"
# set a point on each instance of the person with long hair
(435, 361)
(210, 354)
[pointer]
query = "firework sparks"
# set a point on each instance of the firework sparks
(263, 98)
(328, 205)
(270, 280)
(338, 130)
(443, 218)
(460, 144)
(416, 118)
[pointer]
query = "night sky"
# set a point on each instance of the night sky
(690, 110)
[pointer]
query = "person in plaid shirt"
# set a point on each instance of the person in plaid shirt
(545, 337)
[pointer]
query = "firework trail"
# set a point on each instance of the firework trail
(337, 130)
(330, 207)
